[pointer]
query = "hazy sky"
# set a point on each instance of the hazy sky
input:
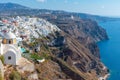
(98, 7)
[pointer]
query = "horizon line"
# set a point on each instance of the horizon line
(113, 16)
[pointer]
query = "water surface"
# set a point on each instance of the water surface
(110, 49)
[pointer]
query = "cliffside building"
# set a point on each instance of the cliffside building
(10, 49)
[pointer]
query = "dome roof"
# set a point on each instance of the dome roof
(8, 35)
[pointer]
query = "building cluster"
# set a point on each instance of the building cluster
(26, 28)
(18, 29)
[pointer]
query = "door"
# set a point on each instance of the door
(10, 58)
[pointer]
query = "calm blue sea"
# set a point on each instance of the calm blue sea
(110, 49)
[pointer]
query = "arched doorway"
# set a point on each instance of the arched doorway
(10, 57)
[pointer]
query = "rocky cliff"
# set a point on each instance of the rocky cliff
(79, 48)
(88, 32)
(78, 56)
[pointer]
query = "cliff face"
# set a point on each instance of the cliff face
(88, 32)
(79, 48)
(80, 57)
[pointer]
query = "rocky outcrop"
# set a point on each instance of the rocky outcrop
(75, 54)
(50, 70)
(71, 72)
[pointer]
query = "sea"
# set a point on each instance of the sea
(110, 49)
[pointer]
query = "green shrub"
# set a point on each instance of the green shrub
(36, 57)
(46, 47)
(27, 51)
(2, 58)
(32, 44)
(45, 55)
(15, 76)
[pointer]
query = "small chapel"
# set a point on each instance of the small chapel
(9, 48)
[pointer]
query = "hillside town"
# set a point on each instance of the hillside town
(16, 30)
(26, 28)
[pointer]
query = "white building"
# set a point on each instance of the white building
(1, 69)
(10, 49)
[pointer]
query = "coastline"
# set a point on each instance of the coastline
(104, 77)
(104, 68)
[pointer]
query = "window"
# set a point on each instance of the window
(9, 57)
(4, 41)
(14, 41)
(10, 41)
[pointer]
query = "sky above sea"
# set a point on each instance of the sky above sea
(97, 7)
